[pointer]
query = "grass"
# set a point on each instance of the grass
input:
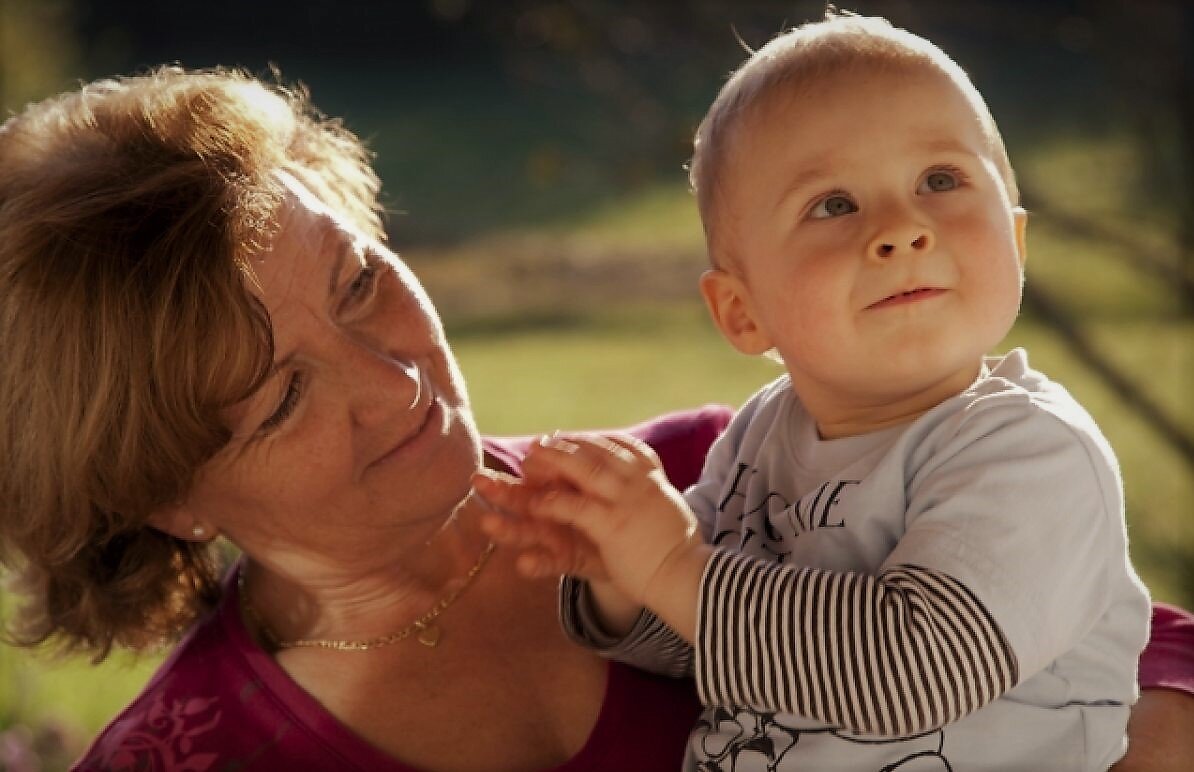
(606, 370)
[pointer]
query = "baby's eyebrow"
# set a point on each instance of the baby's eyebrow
(805, 179)
(948, 145)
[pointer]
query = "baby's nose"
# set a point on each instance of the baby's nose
(888, 248)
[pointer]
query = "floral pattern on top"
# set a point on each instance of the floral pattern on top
(164, 736)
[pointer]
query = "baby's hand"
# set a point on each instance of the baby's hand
(546, 548)
(613, 492)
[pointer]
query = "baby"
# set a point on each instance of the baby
(901, 554)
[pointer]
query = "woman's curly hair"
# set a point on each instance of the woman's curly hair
(129, 210)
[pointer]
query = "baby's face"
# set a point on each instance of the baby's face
(873, 233)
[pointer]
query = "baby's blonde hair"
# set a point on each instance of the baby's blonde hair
(791, 62)
(129, 211)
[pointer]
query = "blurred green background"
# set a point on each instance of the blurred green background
(532, 154)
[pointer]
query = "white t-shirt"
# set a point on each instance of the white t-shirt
(1001, 509)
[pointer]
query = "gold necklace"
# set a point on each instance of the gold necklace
(424, 628)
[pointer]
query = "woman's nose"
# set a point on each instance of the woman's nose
(382, 385)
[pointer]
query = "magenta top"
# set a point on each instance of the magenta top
(221, 702)
(1168, 660)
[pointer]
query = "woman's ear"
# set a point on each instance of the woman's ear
(178, 521)
(729, 303)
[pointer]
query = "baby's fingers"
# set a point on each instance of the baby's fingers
(588, 515)
(500, 491)
(516, 531)
(643, 453)
(593, 465)
(537, 562)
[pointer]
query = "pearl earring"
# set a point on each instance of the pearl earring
(198, 531)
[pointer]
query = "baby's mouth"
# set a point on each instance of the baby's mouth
(908, 296)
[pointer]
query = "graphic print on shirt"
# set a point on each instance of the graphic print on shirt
(746, 741)
(773, 522)
(768, 524)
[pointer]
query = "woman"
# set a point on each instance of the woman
(204, 336)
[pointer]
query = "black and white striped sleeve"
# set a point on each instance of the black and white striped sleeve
(896, 654)
(650, 644)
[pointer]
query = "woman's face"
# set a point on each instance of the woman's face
(362, 437)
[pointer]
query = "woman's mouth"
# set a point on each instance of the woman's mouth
(411, 443)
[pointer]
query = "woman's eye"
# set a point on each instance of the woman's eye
(833, 205)
(294, 389)
(939, 182)
(362, 284)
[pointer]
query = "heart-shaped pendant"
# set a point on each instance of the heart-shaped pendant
(429, 636)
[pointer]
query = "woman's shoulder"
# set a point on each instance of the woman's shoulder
(183, 716)
(210, 705)
(1168, 661)
(681, 439)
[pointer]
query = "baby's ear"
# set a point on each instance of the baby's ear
(1021, 225)
(730, 305)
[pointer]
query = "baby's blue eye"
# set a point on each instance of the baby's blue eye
(937, 182)
(832, 206)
